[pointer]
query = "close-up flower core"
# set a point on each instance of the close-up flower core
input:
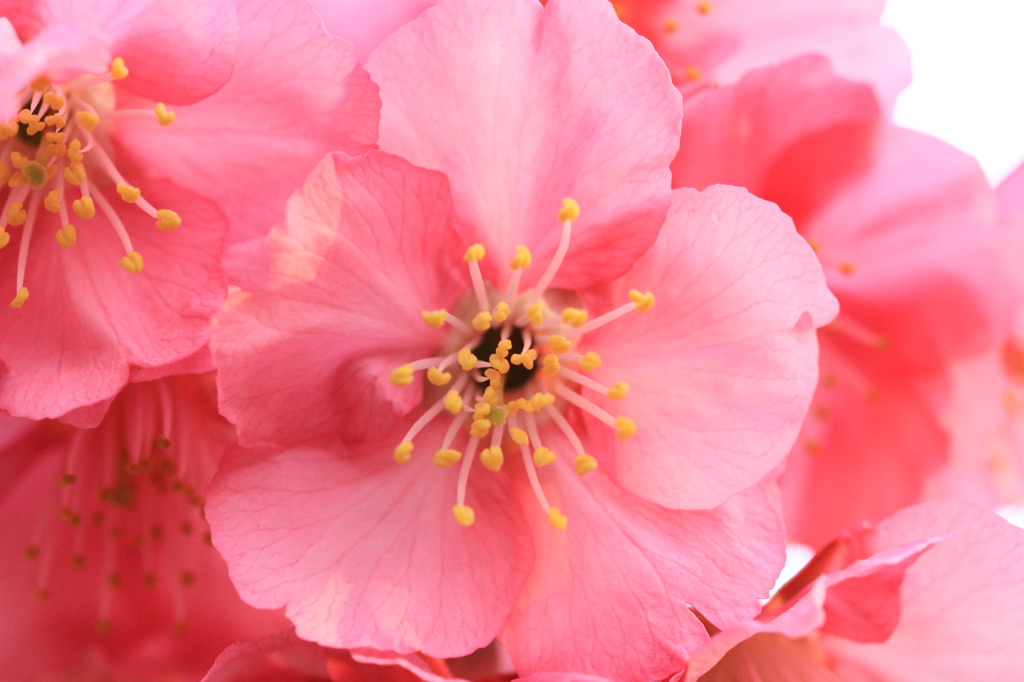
(60, 137)
(508, 364)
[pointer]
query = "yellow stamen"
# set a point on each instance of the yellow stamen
(543, 456)
(84, 208)
(7, 131)
(704, 7)
(404, 451)
(625, 427)
(75, 173)
(20, 299)
(446, 458)
(519, 436)
(167, 220)
(491, 396)
(5, 172)
(35, 173)
(163, 117)
(55, 101)
(117, 69)
(501, 312)
(464, 515)
(671, 25)
(435, 318)
(551, 364)
(618, 390)
(480, 427)
(16, 214)
(40, 84)
(494, 376)
(525, 359)
(541, 400)
(467, 360)
(401, 376)
(570, 210)
(474, 253)
(504, 346)
(492, 458)
(75, 150)
(644, 302)
(847, 268)
(132, 262)
(5, 238)
(574, 317)
(536, 313)
(128, 193)
(52, 201)
(500, 364)
(453, 402)
(584, 464)
(522, 259)
(590, 361)
(55, 120)
(17, 179)
(17, 160)
(437, 377)
(559, 344)
(692, 73)
(482, 321)
(87, 120)
(66, 236)
(557, 518)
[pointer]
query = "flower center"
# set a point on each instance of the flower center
(513, 371)
(50, 144)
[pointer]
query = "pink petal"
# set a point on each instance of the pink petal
(88, 320)
(281, 655)
(254, 141)
(369, 244)
(608, 596)
(366, 23)
(722, 369)
(1010, 195)
(962, 603)
(522, 105)
(773, 658)
(364, 552)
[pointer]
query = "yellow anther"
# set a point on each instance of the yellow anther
(5, 172)
(704, 7)
(117, 69)
(618, 390)
(504, 346)
(474, 253)
(163, 117)
(479, 428)
(35, 125)
(551, 364)
(55, 120)
(437, 377)
(671, 25)
(17, 179)
(522, 259)
(40, 84)
(499, 363)
(501, 312)
(535, 313)
(467, 360)
(644, 302)
(404, 451)
(453, 402)
(7, 131)
(847, 268)
(56, 146)
(66, 236)
(492, 458)
(557, 518)
(17, 160)
(435, 318)
(401, 376)
(464, 515)
(87, 119)
(584, 464)
(574, 317)
(35, 173)
(55, 101)
(525, 359)
(570, 210)
(20, 299)
(24, 116)
(132, 262)
(625, 427)
(84, 208)
(519, 436)
(590, 361)
(51, 171)
(559, 344)
(75, 173)
(482, 321)
(16, 214)
(543, 457)
(52, 201)
(5, 238)
(481, 410)
(541, 400)
(128, 193)
(75, 150)
(692, 73)
(491, 396)
(494, 376)
(167, 220)
(446, 458)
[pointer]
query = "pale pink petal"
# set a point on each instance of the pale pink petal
(523, 105)
(722, 369)
(364, 552)
(769, 657)
(280, 656)
(609, 595)
(962, 603)
(1010, 195)
(253, 142)
(366, 23)
(369, 243)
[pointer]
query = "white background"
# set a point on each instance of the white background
(968, 87)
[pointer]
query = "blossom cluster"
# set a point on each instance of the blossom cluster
(492, 339)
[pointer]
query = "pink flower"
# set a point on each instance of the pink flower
(372, 286)
(931, 593)
(107, 564)
(904, 226)
(366, 23)
(96, 84)
(716, 42)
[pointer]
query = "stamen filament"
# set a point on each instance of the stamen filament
(566, 428)
(426, 362)
(115, 221)
(531, 473)
(513, 285)
(478, 286)
(583, 380)
(606, 318)
(26, 238)
(556, 262)
(467, 463)
(424, 419)
(585, 405)
(458, 324)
